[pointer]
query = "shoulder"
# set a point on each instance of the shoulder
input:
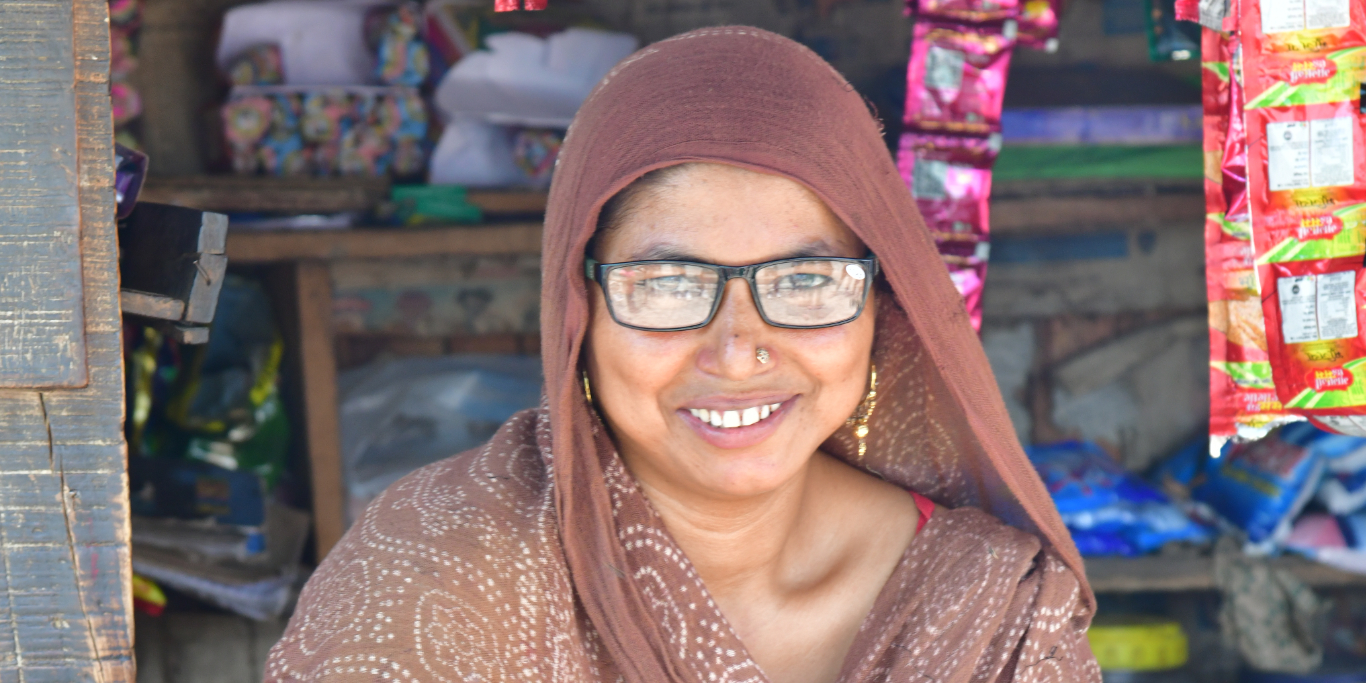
(433, 579)
(982, 543)
(995, 602)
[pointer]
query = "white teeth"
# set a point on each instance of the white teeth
(730, 419)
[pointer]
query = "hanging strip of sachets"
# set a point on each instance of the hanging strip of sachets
(956, 79)
(1243, 399)
(1302, 65)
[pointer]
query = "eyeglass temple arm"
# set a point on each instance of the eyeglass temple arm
(590, 268)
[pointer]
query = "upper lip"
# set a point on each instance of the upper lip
(733, 402)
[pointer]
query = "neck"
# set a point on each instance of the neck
(744, 544)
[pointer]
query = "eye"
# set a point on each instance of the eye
(799, 282)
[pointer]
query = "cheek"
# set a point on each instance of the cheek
(837, 359)
(630, 369)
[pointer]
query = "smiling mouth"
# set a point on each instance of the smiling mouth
(731, 419)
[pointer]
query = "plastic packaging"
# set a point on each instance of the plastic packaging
(1038, 24)
(1108, 510)
(365, 131)
(950, 178)
(967, 10)
(404, 414)
(525, 80)
(1243, 399)
(1260, 486)
(321, 42)
(956, 78)
(1304, 26)
(1138, 644)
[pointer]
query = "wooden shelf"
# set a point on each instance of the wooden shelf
(1167, 574)
(252, 247)
(244, 194)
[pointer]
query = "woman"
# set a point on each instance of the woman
(753, 357)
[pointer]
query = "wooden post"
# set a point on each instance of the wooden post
(318, 366)
(65, 569)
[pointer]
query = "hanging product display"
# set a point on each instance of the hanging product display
(955, 85)
(125, 22)
(1307, 197)
(1243, 400)
(956, 79)
(1293, 164)
(950, 178)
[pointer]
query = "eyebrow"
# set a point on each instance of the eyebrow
(670, 252)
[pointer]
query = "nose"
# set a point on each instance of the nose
(734, 335)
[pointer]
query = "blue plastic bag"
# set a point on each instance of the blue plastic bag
(1108, 510)
(1261, 486)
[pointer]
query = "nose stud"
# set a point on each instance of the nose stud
(761, 354)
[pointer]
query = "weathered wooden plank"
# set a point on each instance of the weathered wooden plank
(318, 364)
(42, 333)
(65, 598)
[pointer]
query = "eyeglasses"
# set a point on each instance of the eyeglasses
(672, 296)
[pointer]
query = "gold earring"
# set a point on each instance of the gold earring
(865, 411)
(587, 390)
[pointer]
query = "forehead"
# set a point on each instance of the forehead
(726, 215)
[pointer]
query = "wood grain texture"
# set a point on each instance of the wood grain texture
(311, 195)
(42, 335)
(318, 367)
(65, 594)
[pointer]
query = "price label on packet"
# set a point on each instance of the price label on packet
(1303, 154)
(1280, 16)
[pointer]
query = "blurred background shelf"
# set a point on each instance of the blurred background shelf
(256, 247)
(249, 194)
(1158, 573)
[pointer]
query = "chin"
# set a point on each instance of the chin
(734, 475)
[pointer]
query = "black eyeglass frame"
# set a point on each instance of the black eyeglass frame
(597, 272)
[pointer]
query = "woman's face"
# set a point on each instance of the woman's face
(647, 385)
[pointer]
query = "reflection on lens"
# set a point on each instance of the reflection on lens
(662, 295)
(810, 293)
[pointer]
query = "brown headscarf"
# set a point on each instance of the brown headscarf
(537, 557)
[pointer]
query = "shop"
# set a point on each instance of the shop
(1151, 223)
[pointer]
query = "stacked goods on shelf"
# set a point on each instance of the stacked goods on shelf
(348, 106)
(125, 18)
(956, 81)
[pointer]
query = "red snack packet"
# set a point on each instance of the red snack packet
(957, 77)
(1273, 26)
(1214, 93)
(1307, 192)
(1243, 398)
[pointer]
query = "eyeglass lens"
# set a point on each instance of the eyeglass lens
(799, 293)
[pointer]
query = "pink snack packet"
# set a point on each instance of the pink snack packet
(964, 10)
(957, 76)
(950, 178)
(1038, 24)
